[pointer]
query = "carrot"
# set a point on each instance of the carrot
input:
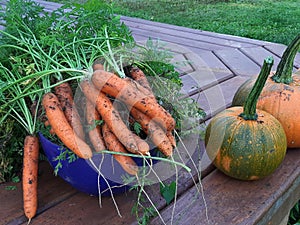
(117, 87)
(97, 66)
(138, 75)
(46, 123)
(139, 87)
(94, 131)
(110, 115)
(65, 96)
(142, 145)
(113, 144)
(30, 175)
(171, 138)
(154, 131)
(62, 128)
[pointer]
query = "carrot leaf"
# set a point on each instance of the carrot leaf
(168, 191)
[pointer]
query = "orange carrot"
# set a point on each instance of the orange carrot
(46, 123)
(62, 128)
(138, 75)
(117, 87)
(113, 144)
(154, 131)
(142, 145)
(110, 115)
(139, 87)
(171, 138)
(65, 96)
(97, 66)
(30, 175)
(94, 130)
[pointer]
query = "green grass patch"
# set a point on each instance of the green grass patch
(269, 20)
(275, 21)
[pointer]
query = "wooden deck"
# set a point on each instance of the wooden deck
(218, 64)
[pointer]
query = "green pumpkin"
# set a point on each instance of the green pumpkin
(242, 92)
(246, 143)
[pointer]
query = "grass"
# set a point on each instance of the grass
(270, 20)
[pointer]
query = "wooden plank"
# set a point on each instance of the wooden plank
(210, 59)
(195, 59)
(181, 63)
(217, 98)
(208, 71)
(51, 191)
(200, 80)
(195, 31)
(278, 49)
(238, 62)
(82, 209)
(230, 201)
(177, 40)
(183, 34)
(178, 53)
(258, 54)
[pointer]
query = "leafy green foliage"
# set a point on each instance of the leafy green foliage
(294, 216)
(144, 214)
(162, 69)
(10, 150)
(168, 191)
(44, 34)
(137, 128)
(13, 187)
(37, 48)
(65, 154)
(166, 85)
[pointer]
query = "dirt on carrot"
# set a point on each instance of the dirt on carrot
(118, 88)
(139, 76)
(62, 128)
(94, 129)
(113, 144)
(110, 115)
(30, 175)
(64, 94)
(154, 131)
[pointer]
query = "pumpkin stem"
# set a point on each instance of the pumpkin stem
(249, 112)
(285, 67)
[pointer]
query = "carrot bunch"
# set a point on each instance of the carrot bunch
(106, 126)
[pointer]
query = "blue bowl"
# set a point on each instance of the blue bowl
(83, 176)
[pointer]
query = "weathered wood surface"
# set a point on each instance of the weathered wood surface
(230, 201)
(218, 64)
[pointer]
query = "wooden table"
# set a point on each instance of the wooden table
(218, 64)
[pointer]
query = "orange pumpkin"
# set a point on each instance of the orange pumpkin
(281, 95)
